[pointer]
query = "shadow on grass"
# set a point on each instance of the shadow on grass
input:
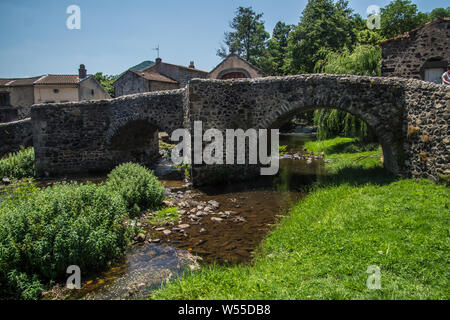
(357, 176)
(351, 147)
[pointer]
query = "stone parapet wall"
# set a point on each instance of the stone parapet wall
(15, 134)
(426, 133)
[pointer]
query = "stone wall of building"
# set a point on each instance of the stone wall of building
(91, 89)
(20, 96)
(409, 55)
(8, 114)
(161, 86)
(130, 83)
(15, 134)
(95, 136)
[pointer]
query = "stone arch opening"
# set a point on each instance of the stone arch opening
(135, 141)
(384, 138)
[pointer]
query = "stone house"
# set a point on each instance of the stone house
(234, 67)
(158, 77)
(66, 88)
(133, 81)
(16, 98)
(18, 95)
(422, 53)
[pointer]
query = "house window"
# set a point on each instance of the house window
(55, 90)
(92, 91)
(434, 75)
(4, 99)
(433, 69)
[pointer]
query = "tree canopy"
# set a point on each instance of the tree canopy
(324, 26)
(401, 16)
(248, 38)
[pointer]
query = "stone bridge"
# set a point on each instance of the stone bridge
(409, 117)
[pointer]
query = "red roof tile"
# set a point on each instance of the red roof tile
(177, 65)
(59, 79)
(18, 82)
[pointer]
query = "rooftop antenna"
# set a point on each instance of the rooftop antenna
(157, 50)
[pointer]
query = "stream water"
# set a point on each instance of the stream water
(258, 204)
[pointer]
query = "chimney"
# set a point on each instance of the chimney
(191, 65)
(82, 72)
(158, 60)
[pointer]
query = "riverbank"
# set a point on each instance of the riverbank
(358, 216)
(45, 230)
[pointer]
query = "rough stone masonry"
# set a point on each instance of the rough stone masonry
(409, 117)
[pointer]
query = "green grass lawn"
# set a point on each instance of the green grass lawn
(360, 216)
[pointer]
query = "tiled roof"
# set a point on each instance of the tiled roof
(59, 79)
(142, 66)
(187, 68)
(407, 34)
(154, 76)
(18, 82)
(176, 65)
(50, 79)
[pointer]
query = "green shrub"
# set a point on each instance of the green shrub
(18, 165)
(66, 224)
(17, 191)
(139, 187)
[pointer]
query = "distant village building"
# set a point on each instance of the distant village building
(18, 95)
(158, 77)
(16, 98)
(67, 88)
(234, 67)
(422, 53)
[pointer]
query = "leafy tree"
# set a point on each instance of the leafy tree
(364, 60)
(325, 26)
(369, 37)
(107, 82)
(273, 58)
(400, 16)
(440, 12)
(249, 37)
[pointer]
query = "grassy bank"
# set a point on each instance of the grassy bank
(359, 217)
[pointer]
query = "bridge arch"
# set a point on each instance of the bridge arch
(266, 103)
(385, 137)
(135, 122)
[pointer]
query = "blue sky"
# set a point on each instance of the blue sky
(115, 35)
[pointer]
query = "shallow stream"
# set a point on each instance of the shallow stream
(253, 208)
